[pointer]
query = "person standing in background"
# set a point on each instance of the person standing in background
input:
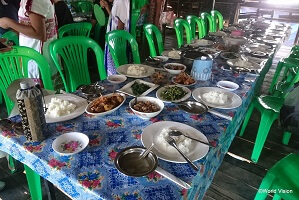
(37, 28)
(63, 14)
(119, 19)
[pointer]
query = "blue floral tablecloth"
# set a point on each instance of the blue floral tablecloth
(91, 174)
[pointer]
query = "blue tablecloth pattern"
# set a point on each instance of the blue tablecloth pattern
(91, 174)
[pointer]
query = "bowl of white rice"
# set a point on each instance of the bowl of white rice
(59, 107)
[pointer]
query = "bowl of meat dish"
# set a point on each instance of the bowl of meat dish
(183, 79)
(105, 104)
(160, 77)
(174, 68)
(146, 107)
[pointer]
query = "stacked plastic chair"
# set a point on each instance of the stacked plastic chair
(208, 22)
(75, 29)
(217, 20)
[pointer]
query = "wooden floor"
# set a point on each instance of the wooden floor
(235, 179)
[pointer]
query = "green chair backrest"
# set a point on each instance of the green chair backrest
(72, 52)
(99, 15)
(218, 19)
(75, 29)
(283, 175)
(118, 41)
(196, 22)
(97, 32)
(12, 37)
(290, 76)
(179, 26)
(134, 19)
(85, 6)
(207, 20)
(153, 34)
(14, 65)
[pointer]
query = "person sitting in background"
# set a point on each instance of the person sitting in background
(63, 14)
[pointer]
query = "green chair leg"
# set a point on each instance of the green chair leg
(34, 183)
(266, 183)
(286, 138)
(12, 164)
(247, 117)
(267, 119)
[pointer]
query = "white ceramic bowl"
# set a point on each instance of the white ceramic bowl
(88, 111)
(174, 71)
(143, 114)
(228, 85)
(70, 143)
(116, 78)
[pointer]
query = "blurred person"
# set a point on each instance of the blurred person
(37, 28)
(119, 19)
(9, 8)
(63, 13)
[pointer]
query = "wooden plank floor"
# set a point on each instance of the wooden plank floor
(235, 179)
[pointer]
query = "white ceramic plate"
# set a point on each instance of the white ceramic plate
(87, 110)
(172, 79)
(233, 101)
(128, 90)
(70, 143)
(79, 110)
(158, 94)
(227, 85)
(251, 65)
(123, 70)
(166, 53)
(197, 150)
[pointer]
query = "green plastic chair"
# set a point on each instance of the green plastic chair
(134, 19)
(269, 107)
(99, 15)
(217, 20)
(207, 20)
(75, 29)
(118, 41)
(196, 22)
(85, 6)
(97, 32)
(152, 34)
(179, 26)
(12, 37)
(73, 53)
(14, 65)
(283, 175)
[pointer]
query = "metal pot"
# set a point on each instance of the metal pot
(189, 56)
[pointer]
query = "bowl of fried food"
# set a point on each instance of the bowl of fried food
(105, 104)
(183, 79)
(146, 107)
(160, 77)
(174, 68)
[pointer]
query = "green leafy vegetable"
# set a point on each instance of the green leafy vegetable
(173, 93)
(139, 88)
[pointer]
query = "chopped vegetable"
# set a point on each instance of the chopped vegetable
(139, 88)
(173, 93)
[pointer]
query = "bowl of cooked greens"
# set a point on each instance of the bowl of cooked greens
(146, 107)
(138, 88)
(173, 93)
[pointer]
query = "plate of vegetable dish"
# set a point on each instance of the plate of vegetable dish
(183, 79)
(138, 88)
(173, 93)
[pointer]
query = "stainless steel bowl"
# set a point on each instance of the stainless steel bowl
(128, 162)
(92, 91)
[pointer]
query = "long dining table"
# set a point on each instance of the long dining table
(91, 174)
